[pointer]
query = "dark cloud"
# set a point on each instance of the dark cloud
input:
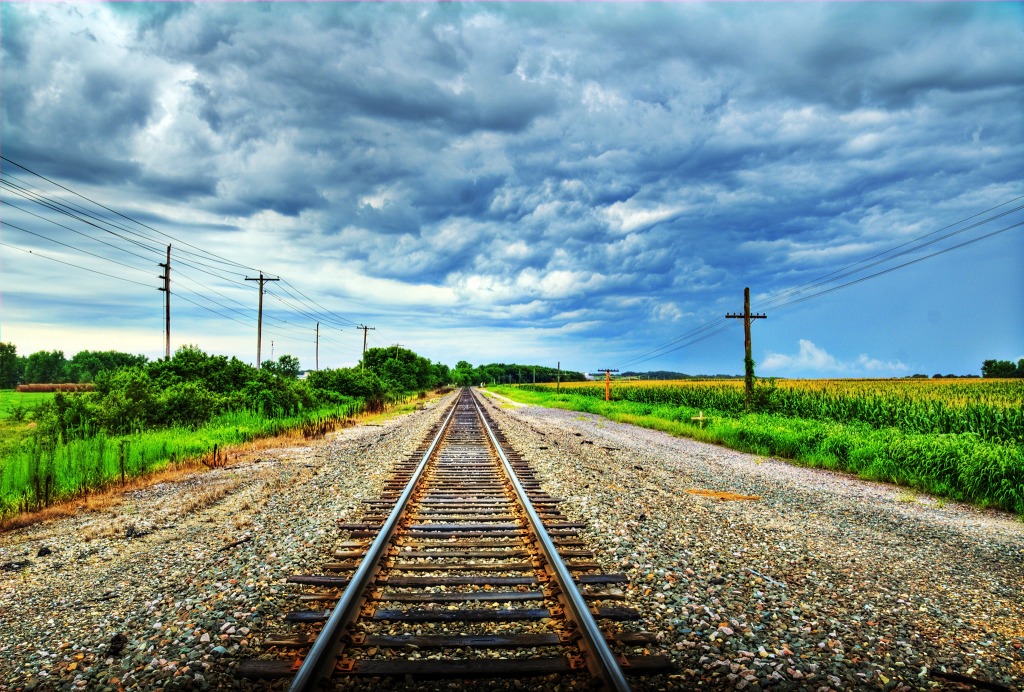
(566, 164)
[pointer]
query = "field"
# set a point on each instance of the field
(36, 473)
(962, 439)
(11, 400)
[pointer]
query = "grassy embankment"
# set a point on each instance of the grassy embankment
(34, 474)
(963, 441)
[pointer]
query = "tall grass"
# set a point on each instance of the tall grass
(42, 471)
(962, 466)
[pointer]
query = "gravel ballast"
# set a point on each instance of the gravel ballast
(823, 582)
(152, 594)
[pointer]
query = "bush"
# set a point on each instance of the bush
(190, 404)
(129, 401)
(272, 396)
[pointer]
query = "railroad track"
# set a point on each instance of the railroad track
(464, 569)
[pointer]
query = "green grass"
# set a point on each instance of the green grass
(34, 474)
(961, 466)
(10, 400)
(13, 432)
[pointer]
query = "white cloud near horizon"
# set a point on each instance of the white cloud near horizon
(814, 359)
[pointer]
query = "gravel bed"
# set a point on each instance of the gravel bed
(824, 582)
(146, 594)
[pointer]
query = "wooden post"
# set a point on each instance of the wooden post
(607, 382)
(166, 276)
(748, 358)
(259, 318)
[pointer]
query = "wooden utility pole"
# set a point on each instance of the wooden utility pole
(748, 359)
(365, 330)
(166, 276)
(259, 319)
(317, 356)
(607, 382)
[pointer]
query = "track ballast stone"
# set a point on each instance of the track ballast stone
(824, 582)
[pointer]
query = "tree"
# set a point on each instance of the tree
(10, 366)
(191, 364)
(45, 367)
(1001, 368)
(85, 365)
(286, 366)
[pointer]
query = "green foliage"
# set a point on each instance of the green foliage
(286, 366)
(350, 382)
(190, 404)
(86, 365)
(191, 364)
(44, 367)
(401, 370)
(125, 427)
(502, 373)
(272, 396)
(127, 400)
(1002, 368)
(10, 366)
(40, 472)
(993, 411)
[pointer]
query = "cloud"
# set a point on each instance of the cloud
(628, 163)
(812, 359)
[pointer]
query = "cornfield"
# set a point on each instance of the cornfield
(958, 439)
(991, 409)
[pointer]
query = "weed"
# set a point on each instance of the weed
(907, 496)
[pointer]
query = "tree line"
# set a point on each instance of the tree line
(1002, 368)
(465, 374)
(132, 393)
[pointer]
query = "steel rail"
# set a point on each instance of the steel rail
(322, 657)
(603, 658)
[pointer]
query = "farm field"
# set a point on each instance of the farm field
(10, 400)
(961, 439)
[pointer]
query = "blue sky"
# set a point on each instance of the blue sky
(581, 183)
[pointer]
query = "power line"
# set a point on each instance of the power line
(86, 235)
(849, 271)
(900, 266)
(77, 266)
(128, 218)
(8, 224)
(779, 302)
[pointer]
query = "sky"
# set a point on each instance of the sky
(586, 184)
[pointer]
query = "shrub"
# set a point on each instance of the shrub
(189, 404)
(129, 401)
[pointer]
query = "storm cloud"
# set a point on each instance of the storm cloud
(587, 180)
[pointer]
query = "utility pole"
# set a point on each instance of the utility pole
(317, 346)
(259, 319)
(535, 375)
(365, 330)
(558, 387)
(166, 276)
(748, 359)
(607, 382)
